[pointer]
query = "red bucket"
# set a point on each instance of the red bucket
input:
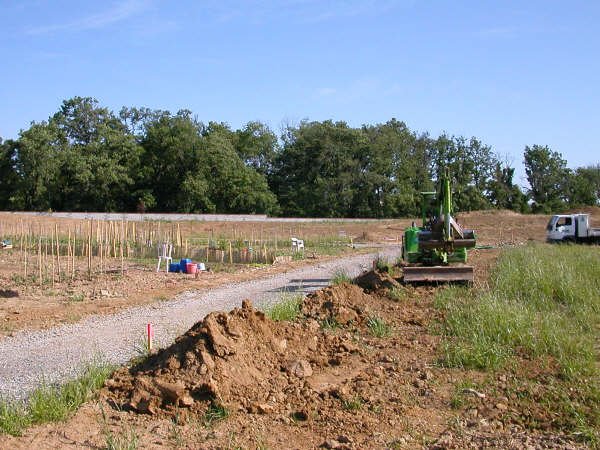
(191, 268)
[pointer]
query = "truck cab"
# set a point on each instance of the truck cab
(571, 228)
(561, 228)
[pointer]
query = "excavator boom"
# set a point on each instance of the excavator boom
(441, 243)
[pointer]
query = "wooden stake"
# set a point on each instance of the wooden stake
(52, 248)
(89, 250)
(73, 254)
(101, 249)
(26, 243)
(230, 254)
(121, 247)
(40, 257)
(57, 251)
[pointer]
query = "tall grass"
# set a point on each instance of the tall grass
(382, 264)
(378, 327)
(541, 301)
(287, 308)
(50, 403)
(340, 276)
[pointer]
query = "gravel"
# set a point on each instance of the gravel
(53, 356)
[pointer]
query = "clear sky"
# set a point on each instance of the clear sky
(512, 73)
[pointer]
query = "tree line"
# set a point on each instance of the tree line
(88, 158)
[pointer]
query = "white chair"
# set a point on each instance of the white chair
(297, 244)
(164, 252)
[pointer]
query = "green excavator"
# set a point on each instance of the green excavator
(437, 251)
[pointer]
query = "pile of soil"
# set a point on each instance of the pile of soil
(343, 304)
(376, 281)
(241, 359)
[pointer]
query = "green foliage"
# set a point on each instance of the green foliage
(330, 324)
(378, 327)
(50, 403)
(584, 186)
(398, 293)
(548, 176)
(87, 158)
(542, 300)
(382, 264)
(215, 413)
(340, 276)
(125, 440)
(503, 193)
(353, 404)
(287, 308)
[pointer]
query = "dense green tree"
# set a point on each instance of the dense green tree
(87, 158)
(583, 186)
(316, 171)
(233, 186)
(37, 153)
(471, 165)
(99, 166)
(397, 170)
(8, 177)
(503, 193)
(257, 145)
(548, 178)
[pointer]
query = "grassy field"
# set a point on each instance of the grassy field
(541, 304)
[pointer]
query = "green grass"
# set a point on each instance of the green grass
(52, 404)
(216, 412)
(340, 276)
(378, 327)
(352, 404)
(542, 305)
(125, 440)
(541, 301)
(330, 324)
(398, 293)
(382, 264)
(287, 308)
(141, 348)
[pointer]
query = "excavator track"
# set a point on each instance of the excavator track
(437, 273)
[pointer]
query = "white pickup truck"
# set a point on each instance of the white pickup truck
(571, 228)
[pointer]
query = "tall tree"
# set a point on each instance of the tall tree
(100, 162)
(548, 176)
(8, 176)
(37, 153)
(503, 193)
(583, 186)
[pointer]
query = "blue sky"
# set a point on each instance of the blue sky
(510, 73)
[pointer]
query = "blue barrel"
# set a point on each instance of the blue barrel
(183, 263)
(174, 267)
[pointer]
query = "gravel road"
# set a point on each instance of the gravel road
(58, 354)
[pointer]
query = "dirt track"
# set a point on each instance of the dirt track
(56, 354)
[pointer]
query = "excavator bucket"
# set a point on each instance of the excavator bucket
(437, 273)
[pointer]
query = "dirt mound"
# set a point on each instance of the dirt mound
(591, 210)
(241, 359)
(345, 303)
(375, 281)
